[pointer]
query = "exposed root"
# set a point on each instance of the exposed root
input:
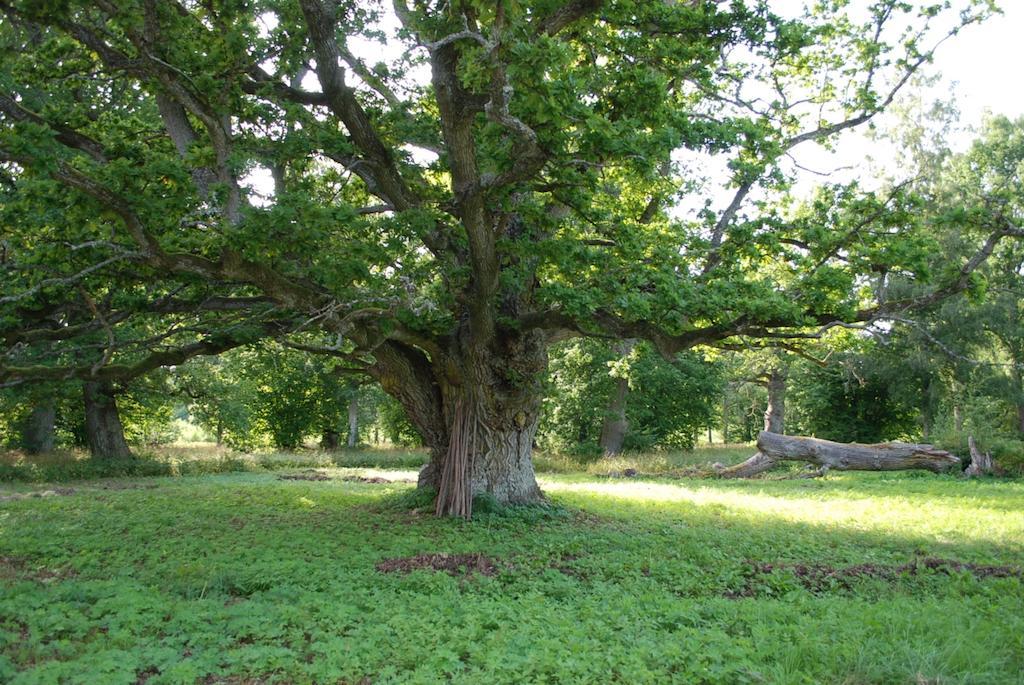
(454, 491)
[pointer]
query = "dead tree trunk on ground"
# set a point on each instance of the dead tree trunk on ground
(886, 456)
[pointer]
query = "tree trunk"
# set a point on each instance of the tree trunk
(330, 439)
(491, 459)
(615, 425)
(613, 431)
(477, 409)
(103, 427)
(981, 462)
(353, 421)
(725, 417)
(886, 456)
(775, 414)
(37, 435)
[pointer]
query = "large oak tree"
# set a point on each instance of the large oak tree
(492, 177)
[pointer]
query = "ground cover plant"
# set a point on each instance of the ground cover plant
(347, 577)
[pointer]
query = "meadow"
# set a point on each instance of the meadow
(298, 570)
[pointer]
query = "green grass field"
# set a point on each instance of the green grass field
(249, 578)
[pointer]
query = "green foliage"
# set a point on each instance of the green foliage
(244, 577)
(849, 401)
(668, 403)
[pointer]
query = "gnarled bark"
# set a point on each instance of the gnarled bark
(477, 408)
(103, 428)
(886, 456)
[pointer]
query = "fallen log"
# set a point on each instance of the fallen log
(886, 456)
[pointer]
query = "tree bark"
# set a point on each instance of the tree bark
(37, 434)
(330, 439)
(981, 462)
(353, 421)
(886, 456)
(103, 428)
(615, 424)
(613, 430)
(775, 414)
(477, 408)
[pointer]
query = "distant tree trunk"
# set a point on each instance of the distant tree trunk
(886, 456)
(725, 417)
(353, 421)
(37, 433)
(615, 425)
(613, 431)
(103, 428)
(958, 408)
(330, 439)
(220, 431)
(1018, 379)
(775, 414)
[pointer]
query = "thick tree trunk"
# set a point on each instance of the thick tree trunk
(886, 456)
(37, 434)
(103, 428)
(477, 410)
(613, 430)
(497, 461)
(353, 421)
(775, 414)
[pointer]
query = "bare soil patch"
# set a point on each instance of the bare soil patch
(452, 564)
(823, 577)
(20, 568)
(55, 492)
(308, 474)
(364, 479)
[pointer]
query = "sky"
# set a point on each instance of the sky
(984, 65)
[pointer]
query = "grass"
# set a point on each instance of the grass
(204, 458)
(247, 578)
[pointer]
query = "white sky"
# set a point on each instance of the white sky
(986, 63)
